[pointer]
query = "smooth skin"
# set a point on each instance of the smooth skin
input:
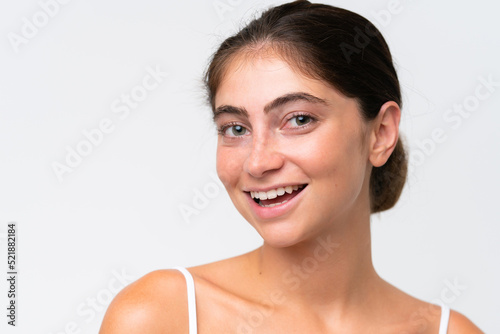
(314, 272)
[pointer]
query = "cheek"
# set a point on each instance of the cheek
(332, 155)
(228, 165)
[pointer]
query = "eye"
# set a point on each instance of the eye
(300, 120)
(234, 131)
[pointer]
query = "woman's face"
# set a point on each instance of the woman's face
(291, 151)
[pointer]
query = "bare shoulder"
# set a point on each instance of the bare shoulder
(420, 316)
(156, 303)
(459, 324)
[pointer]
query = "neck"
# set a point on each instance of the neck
(333, 270)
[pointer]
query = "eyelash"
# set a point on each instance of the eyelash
(298, 114)
(222, 129)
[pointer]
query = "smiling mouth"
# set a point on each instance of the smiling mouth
(278, 196)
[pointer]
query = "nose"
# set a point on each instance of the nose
(263, 158)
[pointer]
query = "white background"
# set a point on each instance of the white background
(118, 213)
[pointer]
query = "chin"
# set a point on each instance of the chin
(280, 234)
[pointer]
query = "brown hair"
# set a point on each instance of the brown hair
(336, 46)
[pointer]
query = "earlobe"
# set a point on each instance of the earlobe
(385, 133)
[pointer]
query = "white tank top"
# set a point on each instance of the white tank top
(193, 326)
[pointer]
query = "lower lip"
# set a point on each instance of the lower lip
(275, 211)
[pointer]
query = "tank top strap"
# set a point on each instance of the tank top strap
(445, 317)
(193, 326)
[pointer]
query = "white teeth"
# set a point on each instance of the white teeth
(271, 205)
(273, 193)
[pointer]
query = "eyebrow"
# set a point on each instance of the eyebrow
(274, 104)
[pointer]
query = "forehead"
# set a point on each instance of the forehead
(256, 80)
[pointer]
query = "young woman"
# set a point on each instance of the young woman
(307, 105)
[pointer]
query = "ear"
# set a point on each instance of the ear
(384, 133)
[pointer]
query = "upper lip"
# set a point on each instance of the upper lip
(264, 189)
